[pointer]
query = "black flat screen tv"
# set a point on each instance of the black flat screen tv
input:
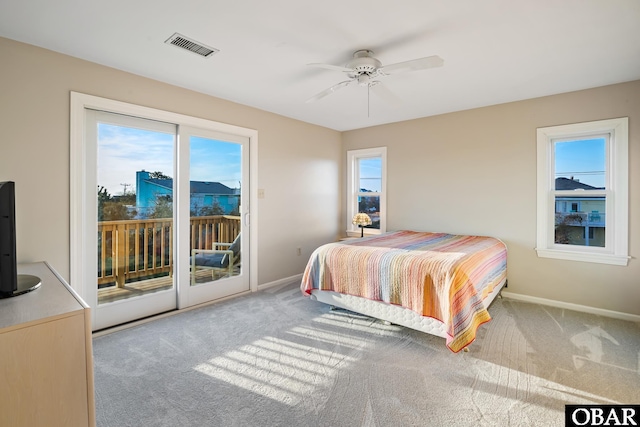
(8, 263)
(11, 283)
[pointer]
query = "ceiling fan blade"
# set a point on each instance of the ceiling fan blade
(332, 67)
(385, 94)
(328, 91)
(413, 65)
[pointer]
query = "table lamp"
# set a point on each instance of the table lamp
(361, 219)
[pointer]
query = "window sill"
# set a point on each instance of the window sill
(584, 257)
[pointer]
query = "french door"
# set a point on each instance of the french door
(165, 216)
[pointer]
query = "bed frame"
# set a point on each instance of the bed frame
(390, 313)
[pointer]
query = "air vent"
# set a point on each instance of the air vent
(192, 46)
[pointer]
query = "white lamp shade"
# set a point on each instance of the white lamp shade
(361, 219)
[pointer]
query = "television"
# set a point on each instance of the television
(11, 283)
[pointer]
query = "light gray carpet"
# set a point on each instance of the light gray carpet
(276, 358)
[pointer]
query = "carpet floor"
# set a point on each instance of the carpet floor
(277, 358)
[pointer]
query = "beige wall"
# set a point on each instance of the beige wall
(467, 172)
(475, 172)
(298, 163)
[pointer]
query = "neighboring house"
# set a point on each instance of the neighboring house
(579, 219)
(207, 198)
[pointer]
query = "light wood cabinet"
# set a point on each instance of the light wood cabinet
(46, 356)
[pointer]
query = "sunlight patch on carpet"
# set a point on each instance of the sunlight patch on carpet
(288, 370)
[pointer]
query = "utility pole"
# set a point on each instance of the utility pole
(124, 192)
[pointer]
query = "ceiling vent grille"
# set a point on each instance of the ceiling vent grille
(191, 45)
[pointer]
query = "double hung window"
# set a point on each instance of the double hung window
(366, 188)
(583, 191)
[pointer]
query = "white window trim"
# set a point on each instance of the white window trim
(353, 188)
(617, 193)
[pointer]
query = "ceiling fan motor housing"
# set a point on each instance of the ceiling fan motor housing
(363, 63)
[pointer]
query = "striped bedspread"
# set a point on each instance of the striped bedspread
(438, 275)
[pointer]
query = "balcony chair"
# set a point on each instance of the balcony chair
(221, 262)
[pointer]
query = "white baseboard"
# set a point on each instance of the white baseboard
(575, 307)
(286, 280)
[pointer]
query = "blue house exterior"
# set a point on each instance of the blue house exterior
(204, 195)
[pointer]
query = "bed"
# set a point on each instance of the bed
(437, 283)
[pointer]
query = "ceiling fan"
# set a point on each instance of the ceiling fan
(364, 70)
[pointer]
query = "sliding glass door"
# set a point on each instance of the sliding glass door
(134, 166)
(166, 216)
(215, 200)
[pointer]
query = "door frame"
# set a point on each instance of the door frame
(81, 196)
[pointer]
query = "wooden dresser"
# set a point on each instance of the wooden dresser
(46, 357)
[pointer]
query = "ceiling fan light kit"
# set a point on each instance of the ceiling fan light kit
(364, 69)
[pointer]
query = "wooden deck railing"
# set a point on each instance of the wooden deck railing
(137, 248)
(592, 219)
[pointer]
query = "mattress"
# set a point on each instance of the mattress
(395, 314)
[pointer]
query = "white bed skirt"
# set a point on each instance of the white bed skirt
(395, 314)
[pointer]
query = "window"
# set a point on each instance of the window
(583, 192)
(366, 188)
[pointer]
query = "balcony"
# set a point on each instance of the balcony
(581, 219)
(136, 256)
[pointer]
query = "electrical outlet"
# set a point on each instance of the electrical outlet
(299, 251)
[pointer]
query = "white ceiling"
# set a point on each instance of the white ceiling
(494, 51)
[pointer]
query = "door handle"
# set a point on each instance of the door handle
(247, 219)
